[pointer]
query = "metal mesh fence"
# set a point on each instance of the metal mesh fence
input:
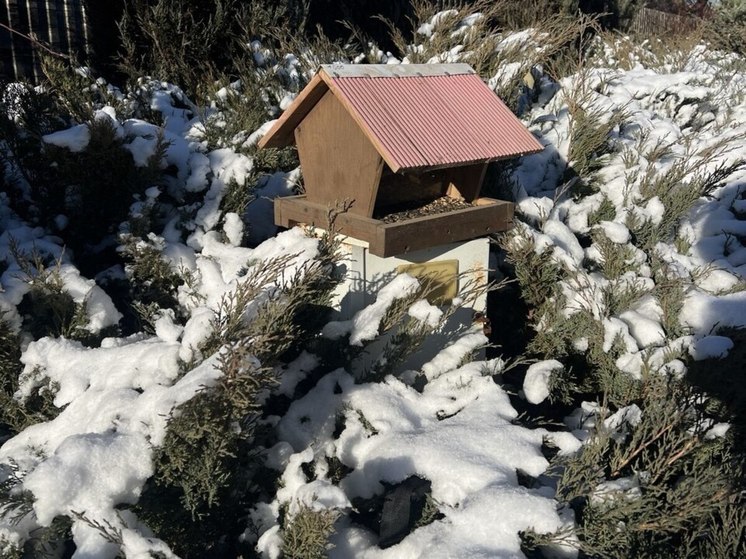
(61, 25)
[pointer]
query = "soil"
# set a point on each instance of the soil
(421, 208)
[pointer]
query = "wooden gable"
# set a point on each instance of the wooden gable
(337, 158)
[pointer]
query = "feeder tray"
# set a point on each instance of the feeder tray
(485, 217)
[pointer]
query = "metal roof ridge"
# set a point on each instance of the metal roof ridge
(336, 71)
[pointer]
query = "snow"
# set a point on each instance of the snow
(142, 149)
(166, 329)
(75, 139)
(538, 378)
(233, 228)
(565, 241)
(365, 324)
(704, 313)
(615, 232)
(717, 431)
(607, 491)
(75, 371)
(461, 422)
(453, 354)
(260, 211)
(90, 472)
(100, 309)
(426, 313)
(646, 332)
(230, 166)
(710, 347)
(199, 168)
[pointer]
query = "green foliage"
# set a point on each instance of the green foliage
(90, 208)
(77, 93)
(14, 502)
(205, 465)
(618, 296)
(203, 46)
(242, 108)
(47, 308)
(408, 337)
(616, 258)
(727, 29)
(200, 453)
(9, 550)
(430, 512)
(50, 541)
(671, 480)
(237, 196)
(590, 128)
(593, 367)
(92, 189)
(26, 114)
(153, 282)
(724, 535)
(606, 211)
(306, 535)
(38, 407)
(404, 334)
(537, 272)
(178, 41)
(670, 293)
(678, 188)
(269, 160)
(15, 505)
(10, 357)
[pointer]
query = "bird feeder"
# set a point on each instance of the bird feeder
(387, 137)
(416, 137)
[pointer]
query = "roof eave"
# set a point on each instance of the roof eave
(424, 168)
(282, 132)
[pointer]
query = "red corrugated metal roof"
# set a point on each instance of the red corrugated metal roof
(425, 116)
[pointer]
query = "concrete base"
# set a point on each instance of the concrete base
(366, 273)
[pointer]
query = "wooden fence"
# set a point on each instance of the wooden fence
(654, 22)
(62, 25)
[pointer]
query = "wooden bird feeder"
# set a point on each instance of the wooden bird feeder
(386, 137)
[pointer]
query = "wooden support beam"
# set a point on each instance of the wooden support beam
(466, 182)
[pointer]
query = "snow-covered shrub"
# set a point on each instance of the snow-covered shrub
(534, 268)
(183, 41)
(591, 127)
(678, 188)
(486, 35)
(204, 468)
(239, 108)
(48, 309)
(224, 48)
(657, 467)
(10, 368)
(230, 418)
(153, 284)
(727, 27)
(657, 470)
(75, 90)
(60, 175)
